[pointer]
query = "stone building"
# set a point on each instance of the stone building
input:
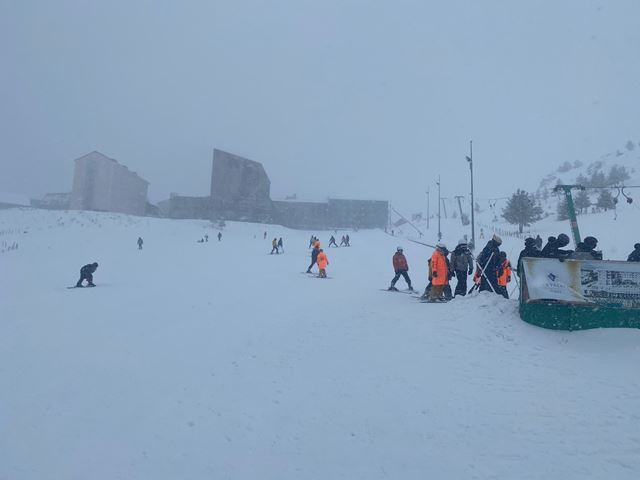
(100, 183)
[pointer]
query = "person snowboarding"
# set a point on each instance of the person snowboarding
(314, 257)
(635, 255)
(219, 237)
(530, 250)
(323, 261)
(401, 268)
(332, 241)
(439, 273)
(86, 273)
(274, 246)
(140, 242)
(586, 250)
(462, 266)
(280, 245)
(504, 275)
(488, 264)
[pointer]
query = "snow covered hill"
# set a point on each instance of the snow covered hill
(217, 360)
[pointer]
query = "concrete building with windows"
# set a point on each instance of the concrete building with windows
(100, 183)
(241, 190)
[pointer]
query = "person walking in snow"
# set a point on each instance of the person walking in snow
(274, 246)
(488, 265)
(264, 236)
(635, 255)
(504, 275)
(314, 257)
(346, 241)
(401, 268)
(462, 266)
(343, 242)
(140, 242)
(323, 261)
(86, 273)
(439, 272)
(220, 236)
(332, 241)
(280, 245)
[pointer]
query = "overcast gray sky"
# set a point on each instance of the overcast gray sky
(351, 98)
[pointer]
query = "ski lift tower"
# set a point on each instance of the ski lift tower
(571, 209)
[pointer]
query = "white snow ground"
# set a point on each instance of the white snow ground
(217, 360)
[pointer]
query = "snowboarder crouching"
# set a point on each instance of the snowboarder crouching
(86, 273)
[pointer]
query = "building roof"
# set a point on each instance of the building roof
(95, 154)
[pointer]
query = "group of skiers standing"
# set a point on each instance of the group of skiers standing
(277, 246)
(492, 270)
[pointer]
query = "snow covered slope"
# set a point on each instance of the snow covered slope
(218, 360)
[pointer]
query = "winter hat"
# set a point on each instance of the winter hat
(441, 246)
(95, 264)
(461, 242)
(399, 249)
(637, 246)
(496, 239)
(529, 242)
(590, 241)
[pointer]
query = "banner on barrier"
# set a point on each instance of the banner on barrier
(606, 283)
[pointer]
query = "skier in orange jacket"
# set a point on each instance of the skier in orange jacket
(504, 275)
(323, 261)
(439, 272)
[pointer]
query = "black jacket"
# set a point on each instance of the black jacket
(634, 256)
(88, 269)
(489, 259)
(528, 252)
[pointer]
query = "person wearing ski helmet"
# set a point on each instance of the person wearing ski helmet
(488, 264)
(439, 272)
(635, 255)
(461, 266)
(586, 250)
(401, 268)
(530, 251)
(86, 273)
(553, 247)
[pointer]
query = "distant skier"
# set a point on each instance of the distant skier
(346, 241)
(401, 267)
(86, 273)
(280, 245)
(586, 250)
(314, 257)
(140, 242)
(206, 237)
(264, 236)
(220, 236)
(530, 251)
(462, 266)
(504, 275)
(332, 241)
(323, 261)
(439, 272)
(538, 242)
(635, 255)
(343, 242)
(274, 246)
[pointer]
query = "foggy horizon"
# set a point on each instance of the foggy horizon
(347, 100)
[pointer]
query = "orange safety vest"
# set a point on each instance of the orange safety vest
(439, 266)
(506, 273)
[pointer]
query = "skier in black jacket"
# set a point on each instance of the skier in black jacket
(530, 251)
(86, 273)
(489, 261)
(635, 255)
(314, 257)
(553, 247)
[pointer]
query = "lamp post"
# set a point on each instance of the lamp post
(473, 205)
(428, 199)
(439, 203)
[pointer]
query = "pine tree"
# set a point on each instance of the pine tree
(582, 201)
(605, 200)
(521, 210)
